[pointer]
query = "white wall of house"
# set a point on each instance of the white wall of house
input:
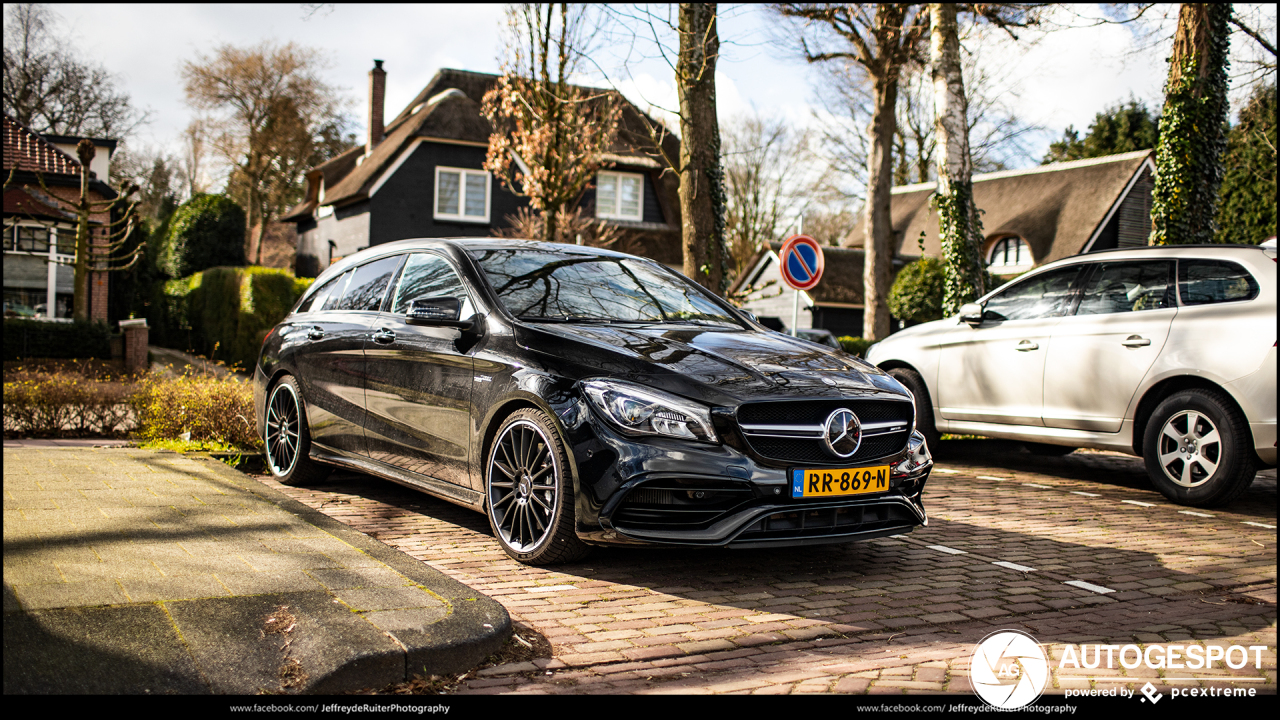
(770, 301)
(101, 163)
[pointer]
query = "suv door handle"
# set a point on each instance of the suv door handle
(1135, 341)
(1026, 345)
(315, 333)
(384, 336)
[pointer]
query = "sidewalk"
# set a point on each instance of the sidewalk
(131, 571)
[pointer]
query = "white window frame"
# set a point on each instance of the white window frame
(56, 258)
(462, 196)
(1004, 269)
(615, 212)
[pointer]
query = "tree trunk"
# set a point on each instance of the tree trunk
(701, 177)
(1192, 128)
(80, 300)
(959, 227)
(877, 268)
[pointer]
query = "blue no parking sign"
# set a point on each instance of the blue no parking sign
(801, 260)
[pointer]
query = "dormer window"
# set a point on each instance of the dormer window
(620, 196)
(1009, 255)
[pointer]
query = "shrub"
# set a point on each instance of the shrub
(65, 404)
(916, 294)
(43, 339)
(212, 410)
(228, 310)
(855, 345)
(207, 231)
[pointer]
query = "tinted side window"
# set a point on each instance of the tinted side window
(335, 295)
(1121, 287)
(369, 285)
(424, 276)
(318, 298)
(1044, 296)
(1202, 282)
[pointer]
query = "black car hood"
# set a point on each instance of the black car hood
(714, 365)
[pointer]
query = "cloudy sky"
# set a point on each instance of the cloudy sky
(1053, 79)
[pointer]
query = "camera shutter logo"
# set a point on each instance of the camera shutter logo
(1008, 669)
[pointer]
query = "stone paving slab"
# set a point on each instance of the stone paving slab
(892, 615)
(115, 583)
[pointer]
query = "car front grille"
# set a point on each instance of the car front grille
(792, 431)
(679, 504)
(824, 522)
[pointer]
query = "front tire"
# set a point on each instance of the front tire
(924, 405)
(529, 495)
(288, 439)
(1197, 449)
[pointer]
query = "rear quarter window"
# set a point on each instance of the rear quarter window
(1205, 282)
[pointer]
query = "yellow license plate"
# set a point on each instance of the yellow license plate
(806, 483)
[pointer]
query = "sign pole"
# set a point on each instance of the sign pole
(795, 313)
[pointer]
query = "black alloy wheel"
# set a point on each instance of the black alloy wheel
(1197, 449)
(529, 496)
(288, 439)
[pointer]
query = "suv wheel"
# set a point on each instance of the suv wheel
(924, 406)
(529, 495)
(1196, 448)
(288, 438)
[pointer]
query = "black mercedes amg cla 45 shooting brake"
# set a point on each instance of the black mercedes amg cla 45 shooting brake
(579, 397)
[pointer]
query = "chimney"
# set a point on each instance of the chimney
(377, 90)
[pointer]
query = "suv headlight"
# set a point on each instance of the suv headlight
(638, 410)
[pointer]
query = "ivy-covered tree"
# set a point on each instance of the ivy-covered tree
(1247, 203)
(1120, 128)
(1192, 128)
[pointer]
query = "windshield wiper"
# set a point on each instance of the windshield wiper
(580, 319)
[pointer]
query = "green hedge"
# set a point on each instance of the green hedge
(40, 339)
(855, 345)
(207, 231)
(224, 313)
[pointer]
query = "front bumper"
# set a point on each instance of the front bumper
(660, 492)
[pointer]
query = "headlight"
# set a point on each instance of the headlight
(638, 410)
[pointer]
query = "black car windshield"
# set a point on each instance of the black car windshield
(549, 286)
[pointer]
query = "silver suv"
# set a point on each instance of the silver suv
(1159, 352)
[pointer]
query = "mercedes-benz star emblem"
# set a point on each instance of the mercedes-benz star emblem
(843, 433)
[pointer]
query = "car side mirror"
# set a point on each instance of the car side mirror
(437, 312)
(971, 313)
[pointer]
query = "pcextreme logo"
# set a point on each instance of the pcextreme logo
(1009, 669)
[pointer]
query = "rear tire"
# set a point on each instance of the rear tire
(1047, 450)
(288, 439)
(924, 405)
(528, 492)
(1197, 449)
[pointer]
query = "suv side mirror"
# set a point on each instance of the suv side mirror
(437, 311)
(971, 313)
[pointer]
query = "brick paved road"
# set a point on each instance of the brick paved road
(895, 615)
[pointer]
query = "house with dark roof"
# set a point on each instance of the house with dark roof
(422, 175)
(42, 180)
(1029, 217)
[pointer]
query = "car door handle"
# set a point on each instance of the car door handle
(1136, 341)
(384, 336)
(315, 333)
(1026, 345)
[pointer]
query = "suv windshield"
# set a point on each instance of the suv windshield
(549, 286)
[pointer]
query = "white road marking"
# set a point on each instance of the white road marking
(945, 549)
(1188, 512)
(1136, 502)
(1014, 566)
(1090, 587)
(945, 470)
(550, 588)
(1261, 525)
(1077, 492)
(990, 477)
(1046, 487)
